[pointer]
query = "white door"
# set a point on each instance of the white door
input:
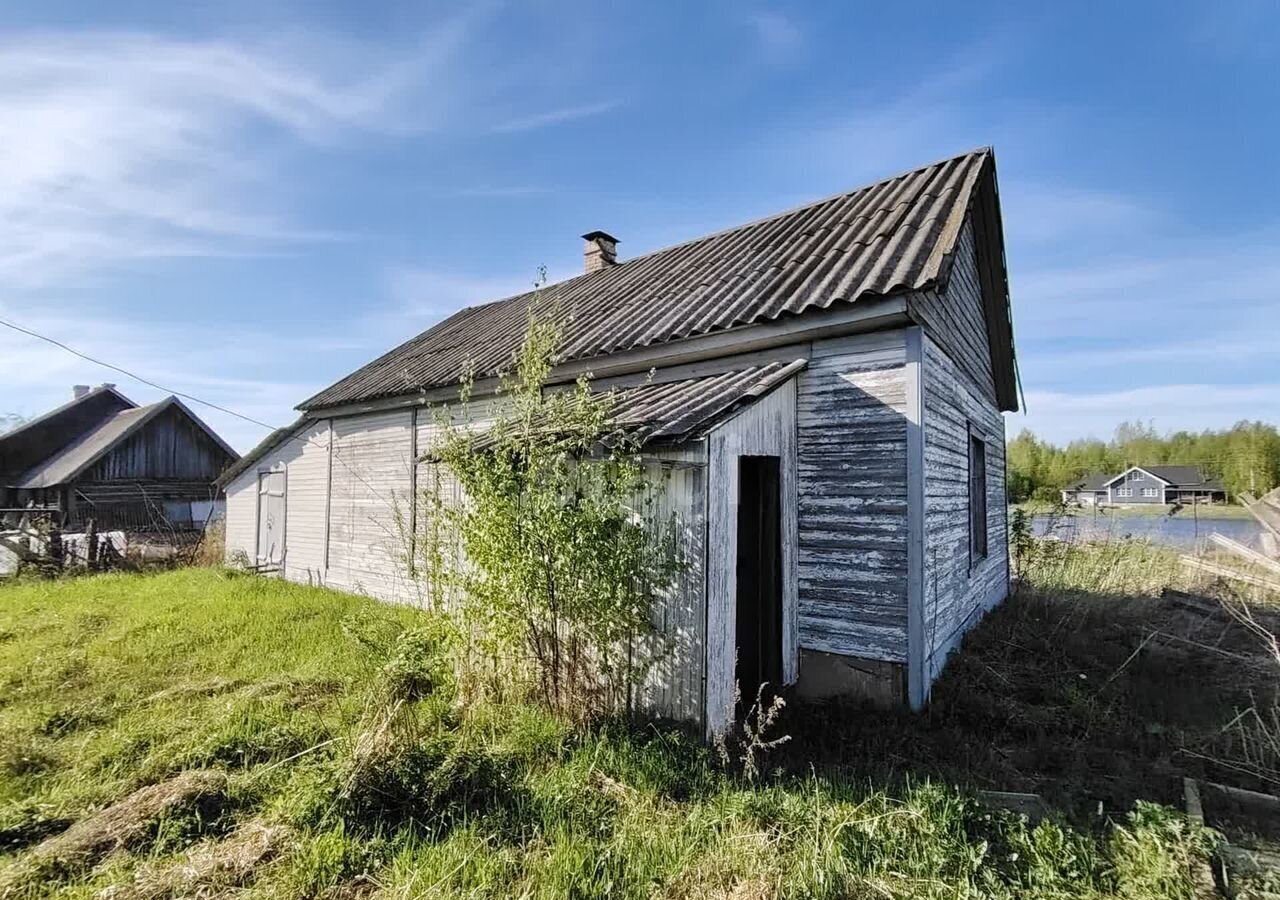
(270, 519)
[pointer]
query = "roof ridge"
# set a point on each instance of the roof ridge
(742, 226)
(61, 408)
(895, 234)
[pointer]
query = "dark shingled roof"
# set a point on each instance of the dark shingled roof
(1095, 482)
(893, 236)
(1179, 476)
(97, 442)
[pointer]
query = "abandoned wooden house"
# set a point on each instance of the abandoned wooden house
(826, 395)
(103, 457)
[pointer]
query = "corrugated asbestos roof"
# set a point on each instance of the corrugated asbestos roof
(680, 410)
(893, 236)
(91, 446)
(674, 412)
(651, 414)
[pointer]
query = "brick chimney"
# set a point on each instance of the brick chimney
(601, 250)
(78, 391)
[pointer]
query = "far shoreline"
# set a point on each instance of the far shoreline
(1154, 510)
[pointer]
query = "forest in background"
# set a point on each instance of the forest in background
(1246, 457)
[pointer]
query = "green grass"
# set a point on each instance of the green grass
(332, 721)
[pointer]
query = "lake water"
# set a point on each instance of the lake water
(1181, 531)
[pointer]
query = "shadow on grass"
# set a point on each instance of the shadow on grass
(1081, 697)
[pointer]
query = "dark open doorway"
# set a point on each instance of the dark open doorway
(759, 600)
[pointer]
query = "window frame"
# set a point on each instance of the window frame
(978, 550)
(1125, 492)
(1150, 492)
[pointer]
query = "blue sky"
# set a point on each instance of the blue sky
(246, 201)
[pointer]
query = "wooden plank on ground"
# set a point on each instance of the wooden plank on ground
(1265, 510)
(1246, 553)
(1210, 568)
(1270, 544)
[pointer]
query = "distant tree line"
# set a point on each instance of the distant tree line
(1246, 457)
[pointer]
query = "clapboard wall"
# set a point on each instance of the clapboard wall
(765, 428)
(673, 685)
(852, 523)
(371, 497)
(954, 318)
(349, 508)
(958, 400)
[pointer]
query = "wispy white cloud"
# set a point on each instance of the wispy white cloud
(121, 146)
(554, 117)
(779, 37)
(1039, 212)
(1167, 290)
(123, 149)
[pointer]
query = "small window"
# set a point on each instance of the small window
(1125, 492)
(1150, 492)
(1137, 476)
(977, 498)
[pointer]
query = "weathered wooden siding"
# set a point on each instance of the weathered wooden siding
(853, 498)
(956, 594)
(169, 446)
(955, 319)
(767, 427)
(369, 505)
(673, 686)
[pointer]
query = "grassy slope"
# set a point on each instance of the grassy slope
(118, 681)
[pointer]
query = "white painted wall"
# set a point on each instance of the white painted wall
(370, 504)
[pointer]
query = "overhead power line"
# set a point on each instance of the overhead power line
(133, 375)
(231, 412)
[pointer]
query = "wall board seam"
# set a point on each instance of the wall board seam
(917, 677)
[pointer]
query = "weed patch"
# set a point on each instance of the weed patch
(337, 759)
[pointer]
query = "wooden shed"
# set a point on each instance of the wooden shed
(103, 457)
(824, 388)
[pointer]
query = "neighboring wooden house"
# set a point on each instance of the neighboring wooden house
(103, 457)
(1141, 485)
(826, 396)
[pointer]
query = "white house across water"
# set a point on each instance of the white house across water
(822, 390)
